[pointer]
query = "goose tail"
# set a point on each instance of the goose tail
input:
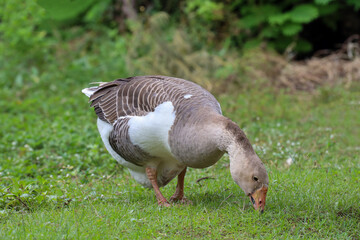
(90, 91)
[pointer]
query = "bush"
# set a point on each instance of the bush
(22, 44)
(282, 25)
(246, 24)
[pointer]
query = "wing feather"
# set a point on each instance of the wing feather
(115, 101)
(126, 97)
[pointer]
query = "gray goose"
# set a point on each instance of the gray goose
(157, 126)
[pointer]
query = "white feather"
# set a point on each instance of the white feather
(151, 132)
(137, 172)
(89, 91)
(105, 130)
(187, 96)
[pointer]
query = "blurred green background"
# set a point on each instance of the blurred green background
(286, 71)
(210, 42)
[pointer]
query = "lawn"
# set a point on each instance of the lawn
(58, 181)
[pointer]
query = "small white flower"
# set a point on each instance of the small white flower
(27, 146)
(354, 103)
(289, 161)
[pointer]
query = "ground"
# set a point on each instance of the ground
(58, 181)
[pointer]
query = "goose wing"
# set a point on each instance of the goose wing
(137, 96)
(116, 101)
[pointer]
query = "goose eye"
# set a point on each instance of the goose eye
(255, 179)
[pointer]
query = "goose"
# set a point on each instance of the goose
(158, 126)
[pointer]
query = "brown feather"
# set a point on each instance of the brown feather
(137, 96)
(144, 93)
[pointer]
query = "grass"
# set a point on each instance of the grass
(58, 181)
(306, 207)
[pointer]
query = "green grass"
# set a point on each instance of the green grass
(58, 181)
(318, 203)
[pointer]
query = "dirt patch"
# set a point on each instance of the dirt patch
(232, 71)
(324, 68)
(349, 213)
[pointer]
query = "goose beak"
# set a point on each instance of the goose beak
(258, 199)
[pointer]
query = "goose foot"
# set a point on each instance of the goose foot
(152, 176)
(164, 204)
(179, 192)
(182, 200)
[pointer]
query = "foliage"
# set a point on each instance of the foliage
(65, 10)
(149, 53)
(282, 25)
(278, 23)
(22, 44)
(207, 10)
(58, 181)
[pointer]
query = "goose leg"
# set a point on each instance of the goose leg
(179, 192)
(152, 176)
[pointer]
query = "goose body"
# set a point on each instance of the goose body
(157, 126)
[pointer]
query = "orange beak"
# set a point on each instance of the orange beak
(258, 199)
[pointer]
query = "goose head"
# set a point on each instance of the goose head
(250, 174)
(246, 168)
